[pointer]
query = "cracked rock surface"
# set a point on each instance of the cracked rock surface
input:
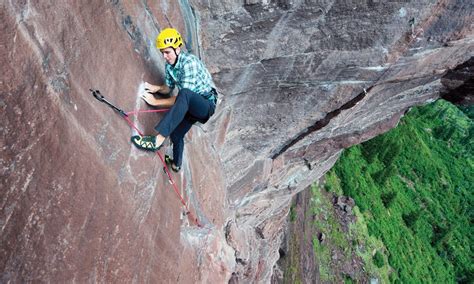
(299, 81)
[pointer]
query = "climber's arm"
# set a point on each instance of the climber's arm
(151, 100)
(162, 89)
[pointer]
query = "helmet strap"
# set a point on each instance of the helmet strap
(176, 61)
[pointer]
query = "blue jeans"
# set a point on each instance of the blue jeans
(188, 108)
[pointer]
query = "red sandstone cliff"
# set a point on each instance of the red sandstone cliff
(79, 203)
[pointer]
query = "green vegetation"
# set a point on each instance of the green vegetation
(378, 259)
(414, 189)
(327, 224)
(292, 213)
(367, 247)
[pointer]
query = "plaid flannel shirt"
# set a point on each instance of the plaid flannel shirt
(189, 73)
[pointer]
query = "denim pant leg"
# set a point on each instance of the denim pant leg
(177, 137)
(188, 107)
(187, 101)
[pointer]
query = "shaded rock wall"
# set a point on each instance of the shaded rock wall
(459, 83)
(295, 94)
(80, 203)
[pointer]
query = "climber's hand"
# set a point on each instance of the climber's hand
(152, 88)
(149, 98)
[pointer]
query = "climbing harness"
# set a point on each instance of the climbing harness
(126, 116)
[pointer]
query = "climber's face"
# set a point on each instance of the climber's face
(170, 55)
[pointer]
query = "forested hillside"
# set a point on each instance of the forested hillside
(413, 194)
(414, 188)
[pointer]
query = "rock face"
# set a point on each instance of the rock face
(299, 81)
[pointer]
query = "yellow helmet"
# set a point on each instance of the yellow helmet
(168, 38)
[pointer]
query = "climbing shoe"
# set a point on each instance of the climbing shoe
(147, 143)
(169, 162)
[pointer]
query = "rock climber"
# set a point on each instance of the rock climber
(195, 102)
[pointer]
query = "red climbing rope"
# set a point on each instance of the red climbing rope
(175, 187)
(126, 116)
